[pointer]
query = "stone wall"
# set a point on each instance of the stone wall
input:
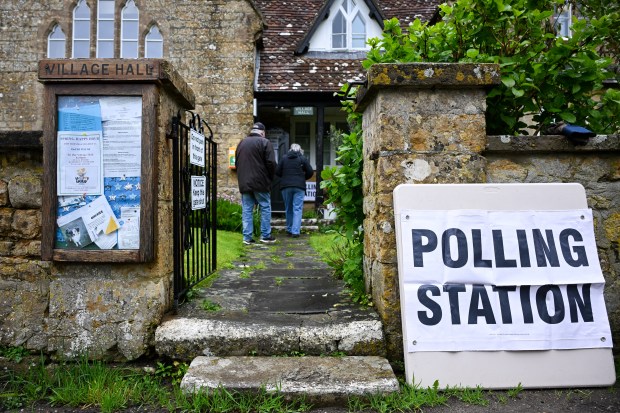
(424, 123)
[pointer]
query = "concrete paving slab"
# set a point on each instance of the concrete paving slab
(322, 380)
(294, 302)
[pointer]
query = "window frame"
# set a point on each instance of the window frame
(134, 41)
(74, 39)
(349, 11)
(99, 39)
(148, 42)
(51, 40)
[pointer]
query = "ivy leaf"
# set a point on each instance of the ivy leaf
(472, 53)
(517, 92)
(568, 117)
(508, 81)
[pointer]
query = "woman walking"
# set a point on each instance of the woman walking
(294, 169)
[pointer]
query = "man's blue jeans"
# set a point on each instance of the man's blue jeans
(248, 200)
(293, 207)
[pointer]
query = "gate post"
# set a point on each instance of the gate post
(111, 279)
(422, 123)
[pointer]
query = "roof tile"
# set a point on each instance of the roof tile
(287, 24)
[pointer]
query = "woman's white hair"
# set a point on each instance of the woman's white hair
(296, 148)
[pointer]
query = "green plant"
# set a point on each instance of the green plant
(514, 392)
(208, 305)
(173, 372)
(547, 77)
(345, 257)
(228, 215)
(14, 354)
(278, 281)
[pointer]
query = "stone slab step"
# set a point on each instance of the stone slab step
(266, 334)
(304, 228)
(321, 380)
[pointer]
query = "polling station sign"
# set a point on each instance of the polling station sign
(485, 280)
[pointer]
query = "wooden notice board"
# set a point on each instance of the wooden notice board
(582, 367)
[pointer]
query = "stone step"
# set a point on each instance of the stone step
(305, 221)
(270, 334)
(324, 381)
(304, 228)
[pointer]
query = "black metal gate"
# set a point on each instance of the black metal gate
(194, 166)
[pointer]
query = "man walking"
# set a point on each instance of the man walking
(255, 163)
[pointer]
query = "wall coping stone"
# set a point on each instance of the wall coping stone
(549, 144)
(460, 76)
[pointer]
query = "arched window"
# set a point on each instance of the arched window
(129, 30)
(154, 44)
(348, 27)
(56, 43)
(81, 30)
(105, 28)
(339, 31)
(358, 32)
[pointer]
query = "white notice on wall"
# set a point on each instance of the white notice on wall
(199, 192)
(477, 280)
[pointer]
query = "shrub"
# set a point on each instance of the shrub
(548, 77)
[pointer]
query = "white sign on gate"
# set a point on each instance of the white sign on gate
(505, 278)
(197, 149)
(199, 192)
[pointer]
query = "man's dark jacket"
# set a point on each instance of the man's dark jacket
(256, 164)
(294, 169)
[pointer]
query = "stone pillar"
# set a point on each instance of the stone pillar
(106, 304)
(423, 123)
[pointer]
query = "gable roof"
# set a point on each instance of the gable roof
(324, 14)
(290, 25)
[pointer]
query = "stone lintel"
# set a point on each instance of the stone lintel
(426, 76)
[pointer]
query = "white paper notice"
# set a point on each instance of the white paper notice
(122, 148)
(80, 167)
(120, 107)
(99, 221)
(129, 233)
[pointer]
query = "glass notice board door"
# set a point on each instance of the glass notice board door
(98, 172)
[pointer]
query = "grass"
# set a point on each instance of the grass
(109, 388)
(229, 247)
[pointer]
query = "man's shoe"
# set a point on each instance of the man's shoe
(249, 241)
(295, 235)
(270, 239)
